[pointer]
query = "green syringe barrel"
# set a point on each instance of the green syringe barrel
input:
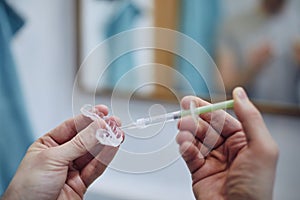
(209, 108)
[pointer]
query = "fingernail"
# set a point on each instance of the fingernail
(241, 94)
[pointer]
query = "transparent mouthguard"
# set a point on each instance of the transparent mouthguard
(111, 135)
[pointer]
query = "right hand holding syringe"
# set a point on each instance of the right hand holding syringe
(168, 117)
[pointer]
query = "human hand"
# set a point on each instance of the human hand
(296, 48)
(64, 162)
(258, 56)
(234, 161)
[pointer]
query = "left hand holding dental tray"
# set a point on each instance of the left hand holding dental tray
(65, 161)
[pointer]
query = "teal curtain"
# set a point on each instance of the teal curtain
(122, 20)
(198, 20)
(15, 132)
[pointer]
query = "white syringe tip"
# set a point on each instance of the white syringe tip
(141, 123)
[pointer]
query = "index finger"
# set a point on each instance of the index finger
(68, 129)
(221, 121)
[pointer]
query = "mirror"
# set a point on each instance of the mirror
(251, 43)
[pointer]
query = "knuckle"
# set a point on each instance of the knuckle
(185, 102)
(46, 156)
(78, 143)
(189, 125)
(202, 127)
(187, 99)
(185, 123)
(184, 136)
(179, 138)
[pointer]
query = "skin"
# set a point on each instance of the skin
(240, 164)
(234, 75)
(297, 51)
(64, 162)
(237, 161)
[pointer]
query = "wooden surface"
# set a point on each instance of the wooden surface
(165, 16)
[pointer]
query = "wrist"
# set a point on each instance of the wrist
(11, 193)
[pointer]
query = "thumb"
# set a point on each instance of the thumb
(250, 118)
(82, 143)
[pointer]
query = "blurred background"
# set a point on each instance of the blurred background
(255, 44)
